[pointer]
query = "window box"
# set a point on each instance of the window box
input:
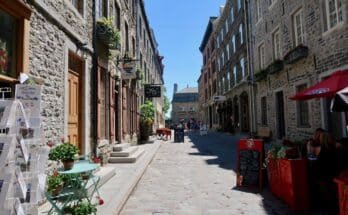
(261, 75)
(275, 67)
(107, 34)
(296, 54)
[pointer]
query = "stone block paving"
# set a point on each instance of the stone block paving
(197, 178)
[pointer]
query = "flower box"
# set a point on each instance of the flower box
(275, 67)
(296, 54)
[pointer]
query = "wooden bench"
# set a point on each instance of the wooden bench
(264, 133)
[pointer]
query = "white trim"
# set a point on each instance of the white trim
(336, 11)
(75, 10)
(294, 27)
(274, 32)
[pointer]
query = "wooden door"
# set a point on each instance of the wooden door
(73, 121)
(280, 115)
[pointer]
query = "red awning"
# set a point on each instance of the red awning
(326, 88)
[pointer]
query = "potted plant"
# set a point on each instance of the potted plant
(107, 33)
(83, 208)
(64, 152)
(147, 112)
(54, 184)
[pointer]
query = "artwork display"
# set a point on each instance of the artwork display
(22, 162)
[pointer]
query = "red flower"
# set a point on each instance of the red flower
(100, 200)
(50, 143)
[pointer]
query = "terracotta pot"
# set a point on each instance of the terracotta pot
(68, 164)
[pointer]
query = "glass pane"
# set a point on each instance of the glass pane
(8, 44)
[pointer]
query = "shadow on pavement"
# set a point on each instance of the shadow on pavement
(224, 148)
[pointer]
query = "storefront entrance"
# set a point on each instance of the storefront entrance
(74, 86)
(244, 104)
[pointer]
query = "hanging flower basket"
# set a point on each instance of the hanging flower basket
(261, 75)
(275, 67)
(107, 34)
(296, 54)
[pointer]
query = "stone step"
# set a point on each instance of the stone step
(124, 153)
(105, 174)
(120, 147)
(131, 159)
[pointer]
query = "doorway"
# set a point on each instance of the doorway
(244, 104)
(280, 114)
(74, 99)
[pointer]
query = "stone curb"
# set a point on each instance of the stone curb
(132, 183)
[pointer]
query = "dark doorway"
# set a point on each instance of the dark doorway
(280, 115)
(235, 113)
(210, 117)
(244, 104)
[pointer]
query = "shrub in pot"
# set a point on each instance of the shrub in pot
(83, 208)
(64, 152)
(107, 33)
(54, 184)
(147, 116)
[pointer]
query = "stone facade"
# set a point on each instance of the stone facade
(207, 81)
(185, 105)
(55, 26)
(327, 52)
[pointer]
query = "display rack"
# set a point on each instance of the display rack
(23, 155)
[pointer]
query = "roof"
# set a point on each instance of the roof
(207, 33)
(189, 90)
(189, 94)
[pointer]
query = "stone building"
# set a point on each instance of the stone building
(207, 78)
(296, 44)
(233, 78)
(150, 62)
(52, 41)
(185, 105)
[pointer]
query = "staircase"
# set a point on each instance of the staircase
(124, 153)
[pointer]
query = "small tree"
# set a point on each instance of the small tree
(147, 117)
(166, 102)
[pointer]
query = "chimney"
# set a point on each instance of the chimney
(222, 9)
(175, 88)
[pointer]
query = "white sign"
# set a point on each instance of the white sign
(219, 98)
(21, 184)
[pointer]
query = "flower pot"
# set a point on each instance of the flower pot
(68, 164)
(57, 190)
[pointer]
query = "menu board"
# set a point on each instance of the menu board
(152, 91)
(249, 163)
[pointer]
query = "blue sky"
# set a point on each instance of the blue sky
(179, 26)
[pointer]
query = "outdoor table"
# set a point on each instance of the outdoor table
(82, 184)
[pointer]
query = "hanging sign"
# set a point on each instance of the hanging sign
(152, 91)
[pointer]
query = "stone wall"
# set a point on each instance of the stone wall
(49, 42)
(328, 51)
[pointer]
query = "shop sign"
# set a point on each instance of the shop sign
(152, 90)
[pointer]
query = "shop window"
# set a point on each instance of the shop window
(14, 25)
(264, 110)
(302, 108)
(8, 45)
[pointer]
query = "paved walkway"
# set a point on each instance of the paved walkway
(197, 177)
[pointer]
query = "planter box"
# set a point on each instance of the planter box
(342, 196)
(296, 54)
(288, 181)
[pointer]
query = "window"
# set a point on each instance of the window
(222, 60)
(334, 13)
(242, 65)
(217, 42)
(298, 28)
(223, 85)
(258, 10)
(302, 108)
(233, 42)
(264, 110)
(226, 25)
(239, 4)
(117, 16)
(218, 64)
(140, 27)
(126, 36)
(78, 4)
(241, 33)
(262, 56)
(276, 45)
(8, 44)
(228, 81)
(222, 36)
(228, 51)
(235, 74)
(232, 15)
(102, 8)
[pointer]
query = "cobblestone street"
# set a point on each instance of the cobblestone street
(197, 177)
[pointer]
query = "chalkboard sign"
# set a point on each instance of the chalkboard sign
(249, 163)
(152, 91)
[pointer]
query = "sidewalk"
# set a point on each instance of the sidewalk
(116, 191)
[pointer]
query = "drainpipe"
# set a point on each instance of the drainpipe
(94, 79)
(247, 17)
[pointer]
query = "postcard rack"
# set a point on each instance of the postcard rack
(23, 155)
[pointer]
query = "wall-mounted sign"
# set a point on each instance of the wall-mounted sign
(131, 74)
(152, 91)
